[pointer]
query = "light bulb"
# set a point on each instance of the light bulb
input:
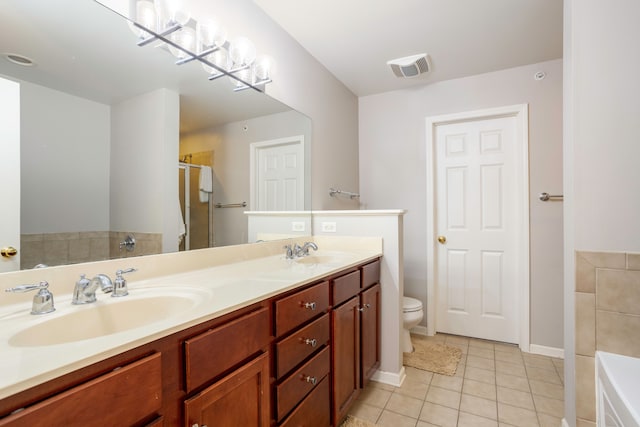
(220, 58)
(245, 77)
(210, 34)
(185, 38)
(146, 14)
(263, 68)
(172, 12)
(242, 52)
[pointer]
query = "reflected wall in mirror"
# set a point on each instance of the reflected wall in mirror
(104, 124)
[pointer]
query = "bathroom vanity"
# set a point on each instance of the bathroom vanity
(299, 355)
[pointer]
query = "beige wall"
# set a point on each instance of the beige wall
(601, 62)
(393, 161)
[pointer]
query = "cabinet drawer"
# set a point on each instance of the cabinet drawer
(125, 396)
(211, 353)
(370, 274)
(314, 410)
(345, 287)
(295, 348)
(301, 382)
(296, 309)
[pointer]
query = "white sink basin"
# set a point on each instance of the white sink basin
(109, 316)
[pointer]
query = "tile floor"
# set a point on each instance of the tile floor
(495, 385)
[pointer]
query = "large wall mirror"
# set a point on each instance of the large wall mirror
(114, 138)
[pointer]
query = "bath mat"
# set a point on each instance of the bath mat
(433, 356)
(352, 421)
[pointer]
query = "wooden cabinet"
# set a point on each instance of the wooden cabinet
(302, 352)
(346, 357)
(126, 396)
(370, 333)
(355, 335)
(239, 399)
(295, 359)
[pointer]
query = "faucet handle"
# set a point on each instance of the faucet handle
(42, 301)
(120, 288)
(288, 251)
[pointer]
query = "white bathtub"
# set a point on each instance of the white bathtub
(617, 390)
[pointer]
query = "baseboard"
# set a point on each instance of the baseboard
(546, 351)
(419, 330)
(391, 378)
(565, 423)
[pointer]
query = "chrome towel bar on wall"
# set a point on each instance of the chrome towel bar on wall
(545, 197)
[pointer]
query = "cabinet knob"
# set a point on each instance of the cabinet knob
(311, 341)
(363, 308)
(310, 379)
(198, 425)
(8, 252)
(310, 305)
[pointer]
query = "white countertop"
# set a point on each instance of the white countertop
(216, 291)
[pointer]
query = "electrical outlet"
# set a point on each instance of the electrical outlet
(329, 227)
(297, 226)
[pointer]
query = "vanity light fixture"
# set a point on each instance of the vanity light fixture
(204, 41)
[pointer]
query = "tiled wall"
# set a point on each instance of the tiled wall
(607, 315)
(75, 247)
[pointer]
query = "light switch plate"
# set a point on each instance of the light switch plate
(329, 227)
(297, 226)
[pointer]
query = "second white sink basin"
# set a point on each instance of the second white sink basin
(108, 316)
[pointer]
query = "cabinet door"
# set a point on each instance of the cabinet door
(370, 329)
(346, 357)
(239, 399)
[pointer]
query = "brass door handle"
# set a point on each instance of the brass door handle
(8, 252)
(442, 239)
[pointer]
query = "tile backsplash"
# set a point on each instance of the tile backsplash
(607, 313)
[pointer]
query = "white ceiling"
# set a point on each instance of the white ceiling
(355, 38)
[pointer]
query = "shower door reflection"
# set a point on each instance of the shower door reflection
(197, 213)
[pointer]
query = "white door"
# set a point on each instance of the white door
(477, 229)
(278, 179)
(10, 169)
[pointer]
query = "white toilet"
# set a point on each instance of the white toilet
(411, 315)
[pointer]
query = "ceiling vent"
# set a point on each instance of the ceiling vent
(410, 66)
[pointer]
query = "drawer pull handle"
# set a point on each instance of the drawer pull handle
(310, 305)
(366, 306)
(311, 341)
(312, 380)
(198, 425)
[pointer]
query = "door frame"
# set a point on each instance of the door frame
(521, 113)
(254, 149)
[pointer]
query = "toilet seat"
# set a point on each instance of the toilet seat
(411, 305)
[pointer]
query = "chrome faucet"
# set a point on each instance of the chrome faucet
(85, 290)
(304, 250)
(42, 301)
(288, 251)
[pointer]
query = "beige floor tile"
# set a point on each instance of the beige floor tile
(382, 386)
(480, 362)
(483, 375)
(541, 388)
(536, 361)
(405, 405)
(439, 415)
(545, 375)
(444, 397)
(507, 348)
(375, 397)
(470, 420)
(517, 398)
(448, 382)
(515, 358)
(392, 419)
(365, 412)
(455, 339)
(518, 417)
(425, 424)
(584, 423)
(481, 343)
(414, 388)
(478, 406)
(549, 406)
(512, 381)
(418, 374)
(460, 370)
(511, 368)
(479, 389)
(549, 421)
(481, 352)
